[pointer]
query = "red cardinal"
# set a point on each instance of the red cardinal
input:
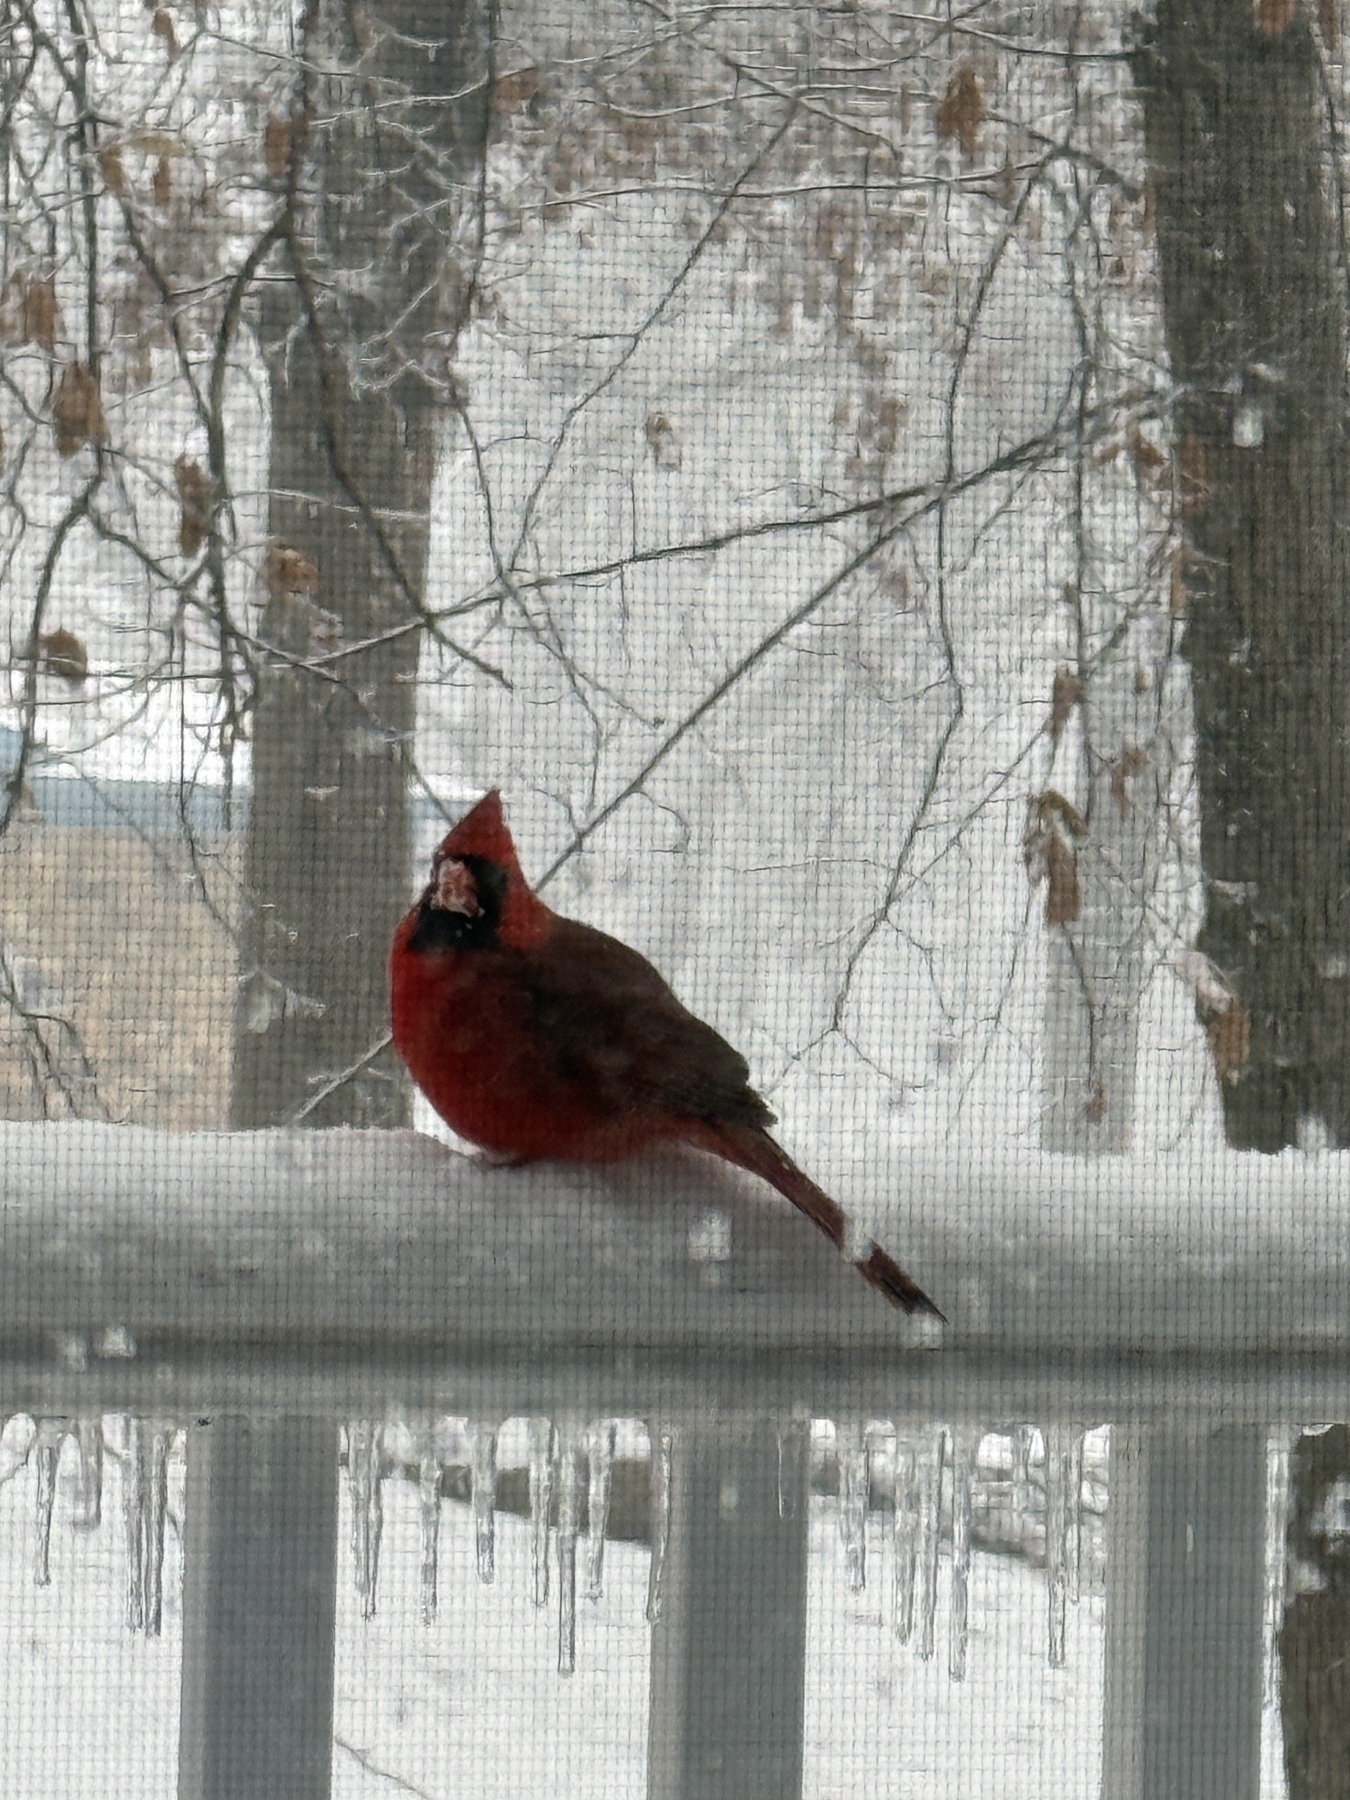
(535, 1036)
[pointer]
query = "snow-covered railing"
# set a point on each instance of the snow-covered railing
(268, 1285)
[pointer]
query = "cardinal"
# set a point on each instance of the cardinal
(535, 1036)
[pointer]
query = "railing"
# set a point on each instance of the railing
(267, 1285)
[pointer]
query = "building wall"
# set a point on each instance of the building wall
(116, 980)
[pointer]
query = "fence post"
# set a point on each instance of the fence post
(729, 1643)
(259, 1604)
(1184, 1609)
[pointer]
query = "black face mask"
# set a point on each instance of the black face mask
(438, 929)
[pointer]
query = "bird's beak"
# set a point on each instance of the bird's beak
(454, 889)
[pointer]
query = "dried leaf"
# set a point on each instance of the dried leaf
(1007, 183)
(114, 174)
(1050, 857)
(1064, 895)
(300, 626)
(77, 410)
(277, 146)
(894, 583)
(1230, 1042)
(1052, 805)
(62, 653)
(161, 182)
(28, 312)
(512, 92)
(154, 143)
(1064, 696)
(290, 571)
(1193, 489)
(1180, 595)
(194, 495)
(1124, 769)
(1147, 457)
(1206, 981)
(1274, 17)
(39, 312)
(161, 26)
(961, 110)
(1096, 1103)
(664, 444)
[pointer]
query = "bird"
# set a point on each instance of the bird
(538, 1037)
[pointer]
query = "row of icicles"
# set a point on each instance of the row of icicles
(1037, 1494)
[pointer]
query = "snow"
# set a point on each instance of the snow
(881, 1724)
(473, 1702)
(86, 1706)
(390, 1239)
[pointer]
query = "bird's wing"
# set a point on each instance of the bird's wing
(618, 1032)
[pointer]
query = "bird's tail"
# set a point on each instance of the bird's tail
(752, 1148)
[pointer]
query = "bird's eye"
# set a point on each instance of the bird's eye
(454, 889)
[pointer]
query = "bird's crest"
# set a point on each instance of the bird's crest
(483, 832)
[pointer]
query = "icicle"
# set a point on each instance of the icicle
(929, 1483)
(852, 1458)
(89, 1437)
(905, 1539)
(133, 1512)
(539, 1438)
(155, 1512)
(964, 1446)
(429, 1507)
(145, 1505)
(569, 1521)
(46, 1455)
(1277, 1529)
(1073, 1517)
(662, 1451)
(1023, 1439)
(794, 1455)
(599, 1474)
(17, 1437)
(365, 1449)
(1057, 1475)
(483, 1477)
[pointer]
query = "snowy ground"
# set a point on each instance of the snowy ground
(473, 1702)
(882, 1725)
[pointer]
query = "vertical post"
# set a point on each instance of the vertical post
(1185, 1600)
(729, 1644)
(259, 1605)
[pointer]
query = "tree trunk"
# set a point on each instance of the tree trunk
(358, 318)
(328, 853)
(1252, 280)
(1315, 1631)
(1252, 276)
